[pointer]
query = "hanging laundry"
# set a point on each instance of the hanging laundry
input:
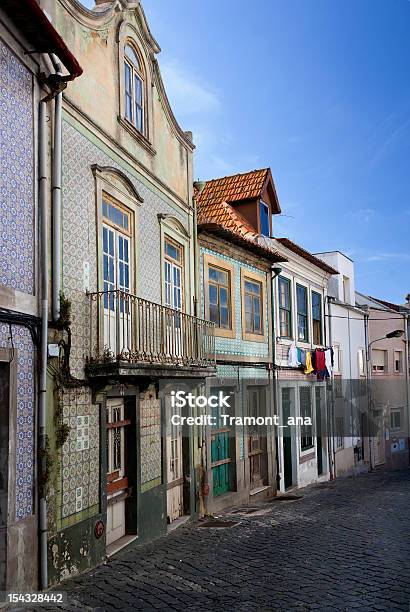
(293, 361)
(309, 368)
(302, 357)
(320, 364)
(329, 361)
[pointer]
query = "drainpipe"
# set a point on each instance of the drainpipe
(369, 386)
(56, 194)
(276, 271)
(406, 365)
(43, 353)
(330, 413)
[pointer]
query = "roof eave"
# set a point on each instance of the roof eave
(245, 243)
(44, 37)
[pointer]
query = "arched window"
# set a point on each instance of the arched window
(134, 88)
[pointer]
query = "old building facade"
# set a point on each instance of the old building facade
(124, 297)
(28, 46)
(347, 325)
(236, 294)
(300, 288)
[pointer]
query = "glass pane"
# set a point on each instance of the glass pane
(213, 274)
(213, 313)
(127, 277)
(248, 322)
(125, 249)
(121, 249)
(130, 53)
(264, 219)
(105, 240)
(257, 322)
(248, 304)
(223, 296)
(213, 294)
(172, 251)
(224, 317)
(138, 91)
(104, 208)
(223, 278)
(128, 107)
(301, 299)
(257, 305)
(121, 273)
(138, 116)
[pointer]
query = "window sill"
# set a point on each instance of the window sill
(254, 337)
(224, 333)
(142, 140)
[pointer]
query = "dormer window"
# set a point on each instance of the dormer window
(264, 219)
(134, 88)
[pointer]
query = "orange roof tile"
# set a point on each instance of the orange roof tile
(234, 188)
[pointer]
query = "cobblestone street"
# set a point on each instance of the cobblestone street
(344, 546)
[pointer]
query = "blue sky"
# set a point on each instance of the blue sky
(320, 92)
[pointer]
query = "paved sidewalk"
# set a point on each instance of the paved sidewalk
(344, 546)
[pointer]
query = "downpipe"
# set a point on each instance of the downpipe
(44, 340)
(56, 194)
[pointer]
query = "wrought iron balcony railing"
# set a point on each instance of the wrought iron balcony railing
(135, 330)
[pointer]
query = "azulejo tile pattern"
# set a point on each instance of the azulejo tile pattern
(16, 174)
(80, 453)
(18, 338)
(235, 346)
(150, 411)
(80, 235)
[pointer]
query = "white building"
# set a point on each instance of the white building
(346, 333)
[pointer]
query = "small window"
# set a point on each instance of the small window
(115, 214)
(253, 307)
(395, 419)
(264, 219)
(134, 88)
(398, 361)
(317, 317)
(306, 432)
(337, 359)
(285, 308)
(362, 361)
(379, 361)
(339, 433)
(302, 309)
(219, 297)
(346, 290)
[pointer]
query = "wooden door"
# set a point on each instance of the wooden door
(255, 449)
(117, 479)
(222, 448)
(175, 476)
(287, 439)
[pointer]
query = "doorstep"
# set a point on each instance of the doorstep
(119, 544)
(178, 523)
(258, 490)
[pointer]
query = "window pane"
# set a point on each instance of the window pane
(223, 296)
(138, 90)
(264, 218)
(301, 299)
(138, 118)
(248, 304)
(214, 313)
(132, 56)
(213, 294)
(223, 278)
(224, 317)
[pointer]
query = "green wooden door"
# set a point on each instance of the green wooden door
(220, 462)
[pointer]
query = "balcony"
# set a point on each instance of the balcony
(134, 335)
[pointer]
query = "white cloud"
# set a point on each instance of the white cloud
(363, 215)
(389, 257)
(187, 95)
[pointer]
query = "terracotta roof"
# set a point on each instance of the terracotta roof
(224, 221)
(292, 246)
(234, 188)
